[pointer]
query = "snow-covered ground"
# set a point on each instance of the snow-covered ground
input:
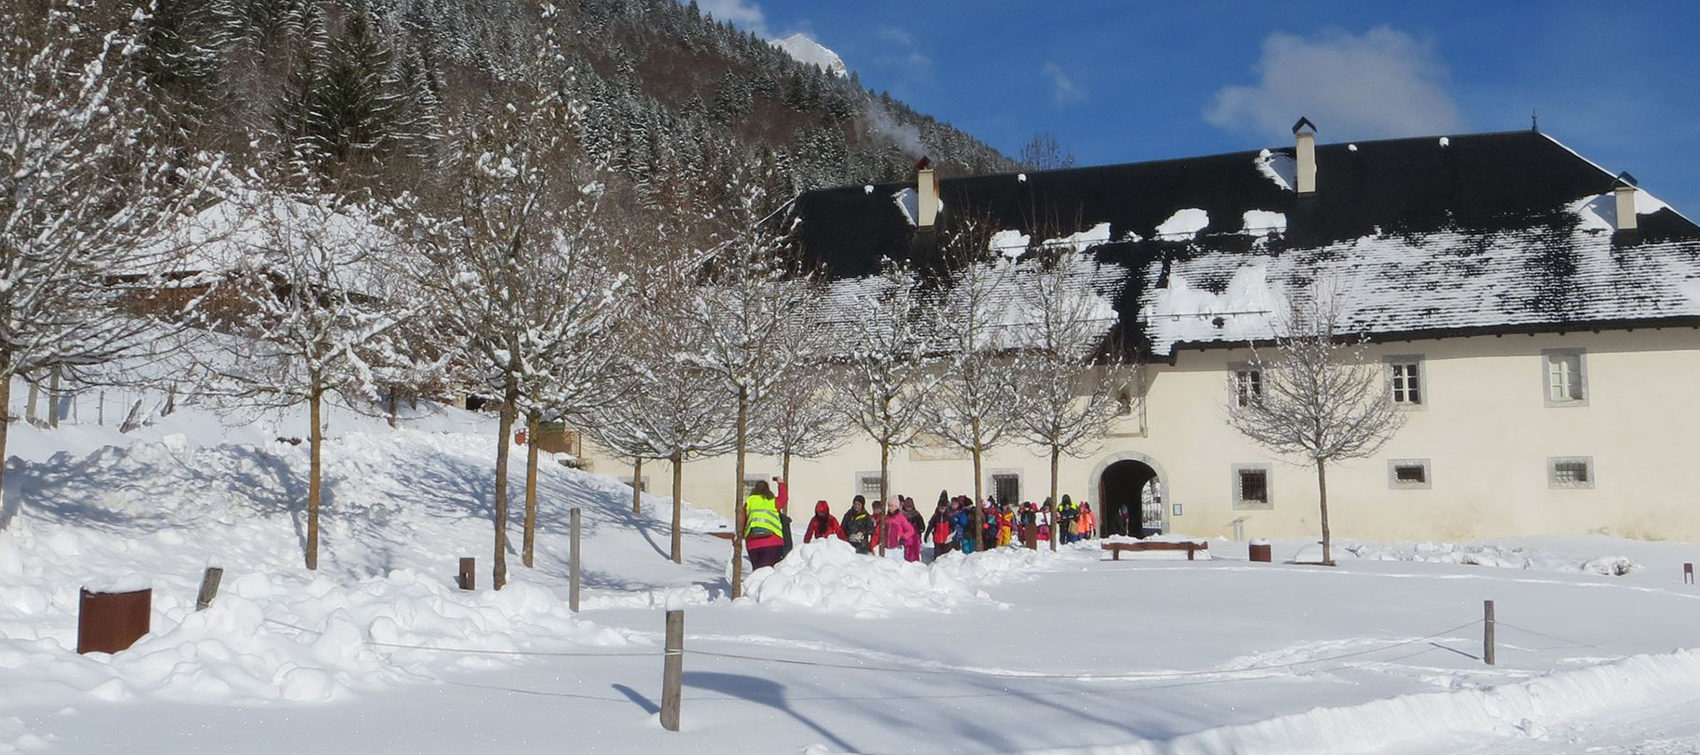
(1008, 650)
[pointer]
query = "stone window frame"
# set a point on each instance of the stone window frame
(1581, 356)
(1238, 483)
(1394, 483)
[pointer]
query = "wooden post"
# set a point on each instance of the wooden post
(1688, 574)
(573, 562)
(209, 587)
(100, 409)
(468, 578)
(673, 671)
(1487, 632)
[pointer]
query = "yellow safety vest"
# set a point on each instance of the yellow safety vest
(761, 514)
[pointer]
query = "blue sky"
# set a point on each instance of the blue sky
(1122, 81)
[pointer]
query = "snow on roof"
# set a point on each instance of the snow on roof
(1279, 168)
(1081, 240)
(1184, 224)
(254, 230)
(909, 202)
(1440, 282)
(1264, 222)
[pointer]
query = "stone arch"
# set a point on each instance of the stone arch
(1127, 459)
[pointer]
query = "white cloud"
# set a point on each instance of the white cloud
(1063, 88)
(744, 14)
(1383, 83)
(905, 52)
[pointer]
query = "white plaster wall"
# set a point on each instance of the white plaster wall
(1484, 428)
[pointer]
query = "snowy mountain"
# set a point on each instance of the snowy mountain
(806, 50)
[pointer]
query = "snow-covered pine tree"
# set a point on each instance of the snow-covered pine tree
(181, 64)
(1068, 373)
(86, 198)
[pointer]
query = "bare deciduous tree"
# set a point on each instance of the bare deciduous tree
(1318, 398)
(1044, 152)
(796, 417)
(883, 371)
(304, 311)
(664, 413)
(1071, 381)
(519, 274)
(974, 402)
(750, 292)
(85, 197)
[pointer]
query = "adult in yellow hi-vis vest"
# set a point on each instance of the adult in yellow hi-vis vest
(764, 533)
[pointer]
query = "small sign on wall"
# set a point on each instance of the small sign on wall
(1175, 509)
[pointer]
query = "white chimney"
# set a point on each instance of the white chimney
(1624, 191)
(926, 194)
(1304, 136)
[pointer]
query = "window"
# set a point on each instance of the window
(1566, 382)
(1570, 472)
(1248, 385)
(1405, 378)
(1006, 488)
(1251, 487)
(642, 484)
(868, 485)
(1408, 474)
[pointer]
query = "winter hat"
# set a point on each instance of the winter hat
(821, 507)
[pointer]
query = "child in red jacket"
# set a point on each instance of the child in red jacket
(823, 525)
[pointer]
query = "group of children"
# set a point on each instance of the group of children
(956, 524)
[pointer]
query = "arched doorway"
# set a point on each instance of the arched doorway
(1130, 496)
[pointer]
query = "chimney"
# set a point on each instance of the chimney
(1624, 190)
(1304, 153)
(926, 194)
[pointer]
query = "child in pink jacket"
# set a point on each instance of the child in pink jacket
(900, 531)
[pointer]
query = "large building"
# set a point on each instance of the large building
(1538, 318)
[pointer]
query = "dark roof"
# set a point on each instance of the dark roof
(1493, 216)
(1481, 181)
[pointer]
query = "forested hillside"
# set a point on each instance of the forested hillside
(670, 96)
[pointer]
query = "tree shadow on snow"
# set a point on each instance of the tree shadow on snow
(757, 690)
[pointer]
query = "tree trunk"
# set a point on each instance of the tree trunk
(637, 485)
(1322, 487)
(785, 472)
(393, 401)
(5, 425)
(530, 536)
(979, 517)
(504, 428)
(1056, 453)
(678, 545)
(315, 441)
(885, 466)
(738, 499)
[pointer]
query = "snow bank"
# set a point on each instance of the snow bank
(1483, 554)
(1522, 710)
(828, 575)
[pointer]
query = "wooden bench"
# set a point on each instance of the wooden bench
(1191, 548)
